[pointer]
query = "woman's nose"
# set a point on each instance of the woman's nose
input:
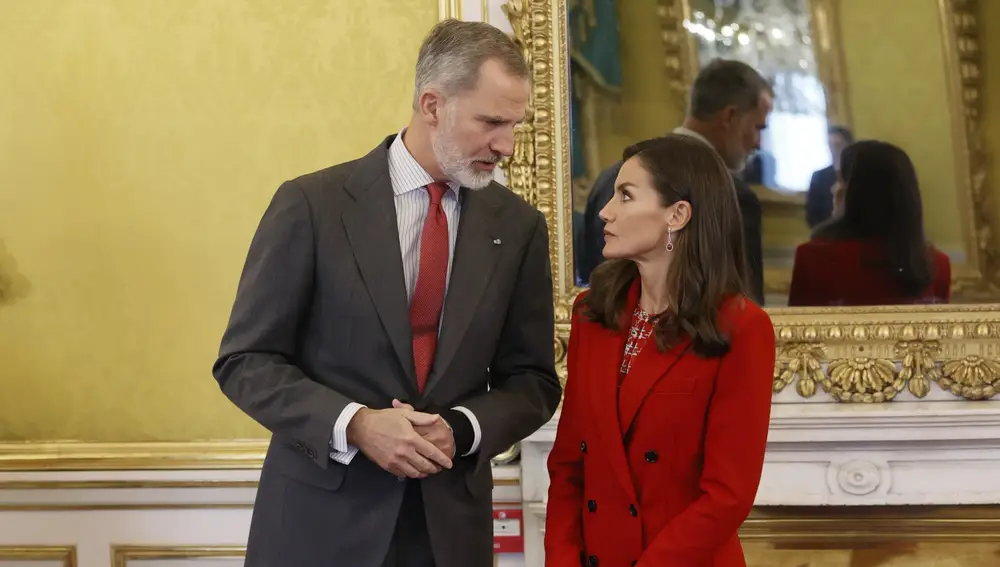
(605, 215)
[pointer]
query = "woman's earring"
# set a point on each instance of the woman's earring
(670, 240)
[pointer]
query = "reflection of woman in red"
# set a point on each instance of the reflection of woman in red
(661, 439)
(873, 251)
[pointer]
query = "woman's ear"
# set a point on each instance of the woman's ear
(678, 215)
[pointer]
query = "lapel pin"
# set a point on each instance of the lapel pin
(496, 241)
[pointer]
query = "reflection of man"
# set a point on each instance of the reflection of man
(387, 396)
(820, 198)
(728, 109)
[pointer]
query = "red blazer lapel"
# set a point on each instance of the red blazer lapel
(647, 369)
(606, 350)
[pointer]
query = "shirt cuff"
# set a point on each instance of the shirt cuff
(340, 451)
(477, 433)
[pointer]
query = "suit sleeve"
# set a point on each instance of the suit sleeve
(563, 519)
(256, 366)
(524, 388)
(816, 210)
(735, 439)
(800, 290)
(752, 214)
(592, 238)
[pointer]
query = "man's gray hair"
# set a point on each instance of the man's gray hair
(454, 51)
(725, 82)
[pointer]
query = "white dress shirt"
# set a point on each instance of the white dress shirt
(408, 181)
(688, 132)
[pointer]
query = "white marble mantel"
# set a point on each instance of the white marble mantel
(828, 454)
(853, 454)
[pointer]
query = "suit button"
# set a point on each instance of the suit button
(632, 510)
(652, 457)
(592, 505)
(400, 479)
(583, 446)
(592, 560)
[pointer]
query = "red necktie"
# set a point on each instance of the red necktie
(428, 297)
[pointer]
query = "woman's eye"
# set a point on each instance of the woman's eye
(626, 197)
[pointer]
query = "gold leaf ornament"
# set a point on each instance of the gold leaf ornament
(972, 377)
(863, 379)
(918, 368)
(802, 361)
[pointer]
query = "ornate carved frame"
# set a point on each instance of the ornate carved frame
(876, 354)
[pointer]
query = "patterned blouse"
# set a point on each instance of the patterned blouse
(638, 336)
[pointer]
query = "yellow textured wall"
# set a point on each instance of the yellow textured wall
(140, 141)
(898, 91)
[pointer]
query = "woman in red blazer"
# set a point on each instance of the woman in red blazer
(873, 251)
(661, 437)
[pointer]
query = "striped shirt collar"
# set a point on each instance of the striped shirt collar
(405, 173)
(689, 132)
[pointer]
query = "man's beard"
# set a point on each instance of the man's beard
(454, 163)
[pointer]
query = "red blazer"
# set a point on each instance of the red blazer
(847, 272)
(675, 493)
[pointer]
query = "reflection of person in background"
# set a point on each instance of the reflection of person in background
(729, 106)
(761, 168)
(819, 199)
(393, 329)
(660, 446)
(873, 252)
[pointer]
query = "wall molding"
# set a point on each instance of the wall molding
(64, 553)
(77, 456)
(122, 554)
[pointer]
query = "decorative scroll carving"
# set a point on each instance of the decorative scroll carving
(520, 168)
(532, 170)
(677, 59)
(972, 377)
(874, 362)
(862, 379)
(917, 366)
(801, 361)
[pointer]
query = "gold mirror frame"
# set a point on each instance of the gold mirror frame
(866, 355)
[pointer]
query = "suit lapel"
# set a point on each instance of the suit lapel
(607, 353)
(472, 267)
(374, 240)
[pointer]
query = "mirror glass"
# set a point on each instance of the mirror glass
(840, 71)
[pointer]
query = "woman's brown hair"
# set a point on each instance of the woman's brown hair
(709, 259)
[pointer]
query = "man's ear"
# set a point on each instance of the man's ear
(429, 106)
(728, 115)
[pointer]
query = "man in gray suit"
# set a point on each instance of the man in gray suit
(393, 329)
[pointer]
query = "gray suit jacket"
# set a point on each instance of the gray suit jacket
(321, 319)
